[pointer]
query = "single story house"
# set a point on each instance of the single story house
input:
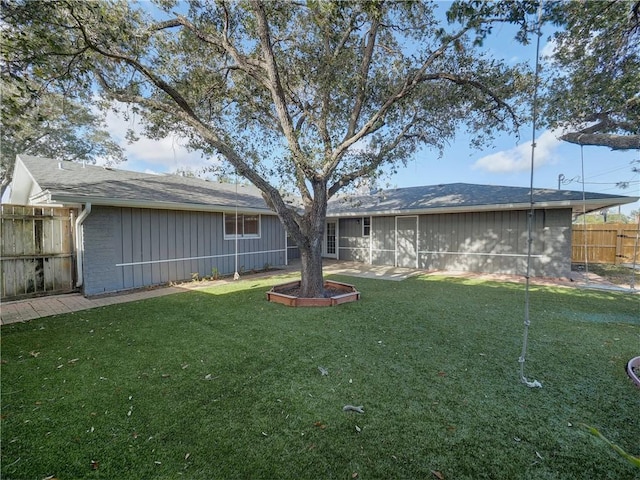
(461, 227)
(134, 230)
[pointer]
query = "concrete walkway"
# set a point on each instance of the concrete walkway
(33, 308)
(380, 272)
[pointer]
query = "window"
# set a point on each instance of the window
(248, 225)
(366, 226)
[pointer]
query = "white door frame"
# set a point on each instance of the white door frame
(325, 242)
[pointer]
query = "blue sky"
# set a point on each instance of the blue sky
(508, 163)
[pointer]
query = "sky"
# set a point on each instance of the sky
(556, 163)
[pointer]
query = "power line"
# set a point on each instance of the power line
(610, 183)
(599, 174)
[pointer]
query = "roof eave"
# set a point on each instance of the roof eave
(575, 205)
(155, 205)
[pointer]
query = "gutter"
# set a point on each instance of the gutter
(594, 204)
(155, 205)
(80, 243)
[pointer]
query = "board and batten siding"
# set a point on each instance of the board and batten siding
(383, 240)
(496, 242)
(486, 242)
(127, 248)
(352, 245)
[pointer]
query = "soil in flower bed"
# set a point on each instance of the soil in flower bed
(295, 290)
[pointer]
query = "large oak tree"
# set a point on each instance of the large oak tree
(309, 97)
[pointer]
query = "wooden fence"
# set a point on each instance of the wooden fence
(36, 252)
(606, 243)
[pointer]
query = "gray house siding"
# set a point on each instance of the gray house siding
(496, 242)
(489, 242)
(127, 248)
(352, 245)
(383, 241)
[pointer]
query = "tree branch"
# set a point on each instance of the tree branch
(409, 84)
(279, 99)
(460, 80)
(203, 130)
(361, 91)
(371, 166)
(613, 141)
(156, 80)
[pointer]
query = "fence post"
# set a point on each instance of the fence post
(620, 233)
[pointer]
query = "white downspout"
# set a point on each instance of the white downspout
(80, 243)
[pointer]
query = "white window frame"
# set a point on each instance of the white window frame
(364, 225)
(240, 225)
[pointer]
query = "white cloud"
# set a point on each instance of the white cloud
(548, 49)
(518, 159)
(160, 156)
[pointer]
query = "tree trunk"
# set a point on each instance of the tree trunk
(307, 231)
(312, 282)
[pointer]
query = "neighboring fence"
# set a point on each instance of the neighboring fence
(36, 251)
(606, 243)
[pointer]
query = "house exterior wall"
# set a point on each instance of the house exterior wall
(383, 241)
(487, 242)
(127, 248)
(352, 245)
(496, 242)
(293, 252)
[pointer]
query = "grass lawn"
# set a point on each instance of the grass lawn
(220, 384)
(618, 274)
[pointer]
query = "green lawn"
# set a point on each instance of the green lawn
(221, 384)
(618, 274)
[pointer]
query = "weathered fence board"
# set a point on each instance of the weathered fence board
(605, 243)
(36, 251)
